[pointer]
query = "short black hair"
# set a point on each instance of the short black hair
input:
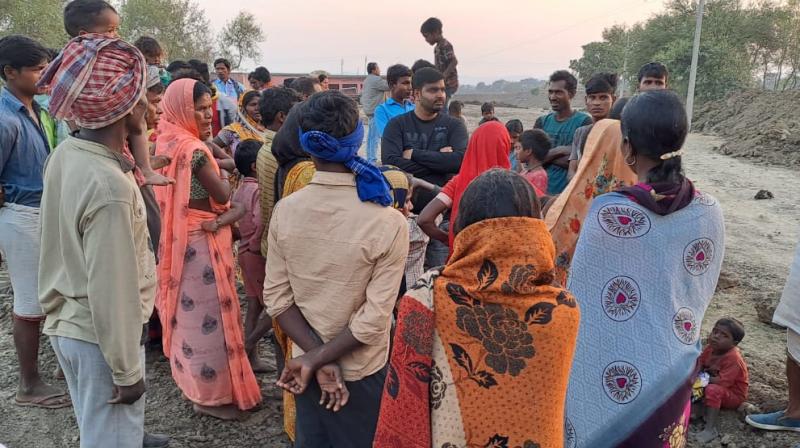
(371, 67)
(157, 89)
(322, 77)
(17, 51)
(222, 61)
(395, 72)
(537, 141)
(305, 85)
(734, 326)
(569, 80)
(653, 70)
(79, 15)
(425, 76)
(261, 74)
(288, 82)
(497, 193)
(515, 126)
(174, 66)
(199, 90)
(201, 68)
(275, 100)
(602, 83)
(432, 25)
(421, 63)
(617, 108)
(331, 112)
(654, 123)
(246, 155)
(487, 107)
(149, 47)
(455, 107)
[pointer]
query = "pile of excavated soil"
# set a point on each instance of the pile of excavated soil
(762, 126)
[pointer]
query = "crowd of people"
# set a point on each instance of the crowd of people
(548, 293)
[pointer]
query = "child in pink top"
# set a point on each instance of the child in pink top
(252, 262)
(531, 153)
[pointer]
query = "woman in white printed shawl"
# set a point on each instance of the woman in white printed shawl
(644, 271)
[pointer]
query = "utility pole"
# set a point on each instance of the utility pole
(695, 54)
(341, 67)
(624, 88)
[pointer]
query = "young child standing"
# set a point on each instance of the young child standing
(515, 130)
(251, 261)
(487, 112)
(728, 382)
(443, 54)
(531, 153)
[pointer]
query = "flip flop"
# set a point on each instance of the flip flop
(54, 401)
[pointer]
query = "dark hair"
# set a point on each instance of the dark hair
(455, 107)
(654, 123)
(617, 108)
(331, 112)
(274, 100)
(261, 74)
(431, 25)
(174, 66)
(222, 61)
(79, 15)
(569, 80)
(199, 90)
(371, 67)
(305, 85)
(322, 77)
(18, 51)
(602, 83)
(537, 141)
(288, 82)
(157, 89)
(487, 107)
(148, 46)
(249, 95)
(246, 155)
(734, 326)
(515, 126)
(497, 193)
(653, 70)
(426, 76)
(395, 72)
(419, 64)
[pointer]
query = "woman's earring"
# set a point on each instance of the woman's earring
(630, 163)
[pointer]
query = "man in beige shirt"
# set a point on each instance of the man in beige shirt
(336, 258)
(97, 272)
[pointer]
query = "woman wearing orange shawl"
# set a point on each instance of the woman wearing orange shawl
(483, 348)
(602, 169)
(197, 300)
(489, 147)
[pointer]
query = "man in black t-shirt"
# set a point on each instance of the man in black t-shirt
(425, 142)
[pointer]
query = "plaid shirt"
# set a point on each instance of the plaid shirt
(443, 54)
(418, 243)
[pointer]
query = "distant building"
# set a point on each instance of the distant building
(350, 85)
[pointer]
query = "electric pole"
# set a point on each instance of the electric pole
(695, 56)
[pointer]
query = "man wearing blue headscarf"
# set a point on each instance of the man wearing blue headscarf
(336, 257)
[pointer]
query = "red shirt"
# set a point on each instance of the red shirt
(537, 178)
(730, 367)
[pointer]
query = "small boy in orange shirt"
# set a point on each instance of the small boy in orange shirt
(728, 382)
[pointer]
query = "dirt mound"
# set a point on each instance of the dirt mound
(763, 126)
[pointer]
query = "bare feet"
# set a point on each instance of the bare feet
(707, 436)
(42, 395)
(227, 412)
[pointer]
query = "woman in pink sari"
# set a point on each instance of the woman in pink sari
(197, 300)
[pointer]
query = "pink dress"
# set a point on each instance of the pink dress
(252, 262)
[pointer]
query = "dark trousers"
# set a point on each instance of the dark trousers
(352, 427)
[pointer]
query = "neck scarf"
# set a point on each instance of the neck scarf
(245, 127)
(95, 81)
(662, 198)
(489, 147)
(370, 183)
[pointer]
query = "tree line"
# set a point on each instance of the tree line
(180, 26)
(743, 45)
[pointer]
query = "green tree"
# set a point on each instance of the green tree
(180, 26)
(240, 39)
(39, 19)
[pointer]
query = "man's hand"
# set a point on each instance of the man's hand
(334, 392)
(407, 154)
(128, 394)
(446, 149)
(297, 374)
(153, 178)
(158, 162)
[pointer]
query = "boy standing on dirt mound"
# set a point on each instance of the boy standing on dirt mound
(444, 56)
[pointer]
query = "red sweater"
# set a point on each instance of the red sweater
(729, 367)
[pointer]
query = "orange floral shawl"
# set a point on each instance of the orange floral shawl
(178, 139)
(602, 169)
(482, 353)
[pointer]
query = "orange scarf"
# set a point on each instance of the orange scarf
(178, 139)
(602, 169)
(482, 353)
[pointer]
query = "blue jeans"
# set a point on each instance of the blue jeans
(372, 141)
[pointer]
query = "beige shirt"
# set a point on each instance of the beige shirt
(341, 261)
(97, 277)
(266, 169)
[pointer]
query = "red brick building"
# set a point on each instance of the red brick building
(348, 84)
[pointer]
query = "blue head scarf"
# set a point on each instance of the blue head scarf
(370, 183)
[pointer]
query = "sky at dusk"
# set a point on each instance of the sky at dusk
(509, 39)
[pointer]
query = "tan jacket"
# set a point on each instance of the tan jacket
(97, 277)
